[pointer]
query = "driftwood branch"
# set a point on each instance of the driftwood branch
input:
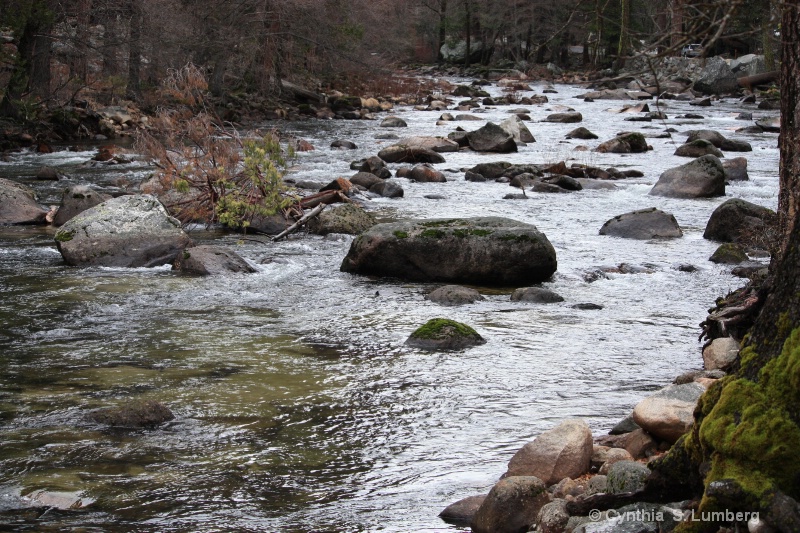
(305, 218)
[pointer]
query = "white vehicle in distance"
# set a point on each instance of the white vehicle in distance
(692, 50)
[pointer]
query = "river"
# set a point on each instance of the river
(298, 408)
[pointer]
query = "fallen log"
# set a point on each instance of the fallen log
(748, 82)
(305, 218)
(324, 197)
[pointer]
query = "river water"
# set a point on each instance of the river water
(297, 406)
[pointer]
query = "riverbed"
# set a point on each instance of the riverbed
(297, 406)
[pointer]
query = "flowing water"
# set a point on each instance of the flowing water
(297, 406)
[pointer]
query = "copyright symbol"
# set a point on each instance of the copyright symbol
(595, 515)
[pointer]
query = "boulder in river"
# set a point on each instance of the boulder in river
(209, 260)
(482, 250)
(346, 218)
(426, 174)
(365, 179)
(536, 295)
(454, 295)
(18, 204)
(393, 122)
(624, 143)
(581, 133)
(444, 334)
(375, 165)
(703, 177)
(491, 138)
(437, 144)
(728, 253)
(511, 506)
(569, 117)
(400, 153)
(742, 222)
(719, 140)
(517, 129)
(736, 169)
(461, 512)
(77, 199)
(129, 231)
(387, 189)
(134, 414)
(564, 451)
(643, 224)
(698, 148)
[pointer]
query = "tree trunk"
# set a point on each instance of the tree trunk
(781, 312)
(135, 51)
(81, 69)
(442, 29)
(624, 24)
(20, 75)
(39, 82)
(469, 34)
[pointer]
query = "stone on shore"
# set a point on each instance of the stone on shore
(129, 231)
(564, 451)
(721, 353)
(482, 251)
(511, 506)
(668, 413)
(463, 511)
(626, 476)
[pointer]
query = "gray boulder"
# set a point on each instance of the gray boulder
(518, 130)
(77, 199)
(365, 179)
(483, 250)
(702, 178)
(624, 143)
(375, 165)
(736, 169)
(564, 451)
(346, 218)
(387, 189)
(564, 118)
(581, 133)
(129, 231)
(643, 224)
(437, 144)
(399, 153)
(210, 260)
(393, 122)
(716, 78)
(626, 476)
(491, 171)
(511, 506)
(741, 222)
(668, 413)
(719, 140)
(491, 138)
(18, 204)
(535, 294)
(454, 295)
(463, 511)
(698, 148)
(553, 517)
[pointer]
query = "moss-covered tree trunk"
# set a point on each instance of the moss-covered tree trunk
(743, 448)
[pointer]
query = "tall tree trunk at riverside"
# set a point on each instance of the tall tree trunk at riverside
(442, 29)
(624, 28)
(83, 9)
(469, 32)
(766, 36)
(40, 79)
(598, 41)
(20, 75)
(135, 50)
(781, 311)
(676, 11)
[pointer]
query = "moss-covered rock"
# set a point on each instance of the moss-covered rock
(134, 414)
(347, 218)
(444, 334)
(728, 254)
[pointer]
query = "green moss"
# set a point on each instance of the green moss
(64, 236)
(444, 223)
(442, 327)
(481, 232)
(460, 233)
(401, 234)
(433, 233)
(751, 434)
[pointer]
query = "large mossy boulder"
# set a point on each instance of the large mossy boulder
(18, 204)
(742, 222)
(480, 251)
(129, 231)
(703, 177)
(444, 334)
(643, 224)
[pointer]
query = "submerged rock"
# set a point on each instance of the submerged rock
(444, 334)
(454, 295)
(134, 414)
(208, 260)
(483, 250)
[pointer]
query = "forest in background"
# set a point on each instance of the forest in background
(57, 53)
